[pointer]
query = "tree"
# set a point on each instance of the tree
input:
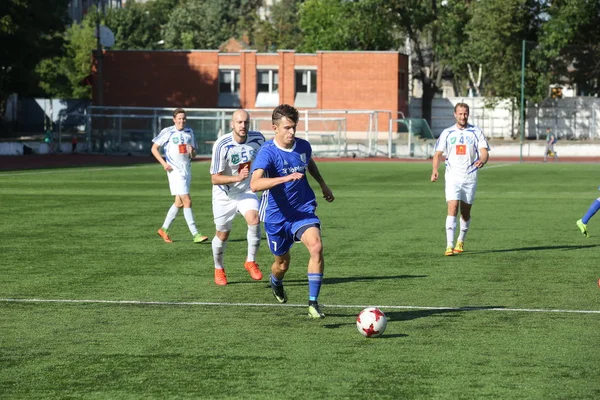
(133, 27)
(571, 39)
(27, 37)
(197, 24)
(65, 76)
(496, 33)
(281, 30)
(419, 21)
(340, 25)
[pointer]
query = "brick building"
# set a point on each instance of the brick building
(327, 80)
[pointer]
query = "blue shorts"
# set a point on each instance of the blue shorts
(282, 236)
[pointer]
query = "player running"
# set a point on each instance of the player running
(288, 203)
(232, 157)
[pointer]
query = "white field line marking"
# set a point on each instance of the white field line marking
(208, 303)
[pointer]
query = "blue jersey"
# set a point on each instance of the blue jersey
(291, 200)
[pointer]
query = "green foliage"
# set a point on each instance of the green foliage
(340, 25)
(30, 30)
(282, 30)
(133, 27)
(197, 24)
(571, 39)
(91, 235)
(65, 76)
(496, 32)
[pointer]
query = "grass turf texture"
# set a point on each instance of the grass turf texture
(90, 234)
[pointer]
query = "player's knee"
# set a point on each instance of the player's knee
(315, 247)
(281, 266)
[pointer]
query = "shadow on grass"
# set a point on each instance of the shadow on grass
(332, 281)
(533, 248)
(399, 316)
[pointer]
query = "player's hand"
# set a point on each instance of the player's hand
(479, 164)
(244, 173)
(296, 176)
(190, 150)
(434, 176)
(327, 194)
(167, 167)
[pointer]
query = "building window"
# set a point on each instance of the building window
(229, 88)
(229, 81)
(267, 88)
(306, 88)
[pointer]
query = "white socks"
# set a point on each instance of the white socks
(464, 228)
(171, 214)
(218, 248)
(253, 237)
(189, 218)
(450, 227)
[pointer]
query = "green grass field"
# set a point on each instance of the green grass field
(95, 305)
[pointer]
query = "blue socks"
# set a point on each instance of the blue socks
(314, 286)
(591, 211)
(275, 281)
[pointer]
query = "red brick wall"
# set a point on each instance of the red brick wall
(345, 80)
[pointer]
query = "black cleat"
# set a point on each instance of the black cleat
(279, 293)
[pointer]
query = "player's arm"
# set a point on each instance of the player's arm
(435, 165)
(258, 182)
(159, 158)
(314, 172)
(221, 179)
(483, 158)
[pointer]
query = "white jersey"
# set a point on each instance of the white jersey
(174, 143)
(461, 148)
(229, 156)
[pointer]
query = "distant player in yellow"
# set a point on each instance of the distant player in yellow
(232, 157)
(179, 147)
(466, 151)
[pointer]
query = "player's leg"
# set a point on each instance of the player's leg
(592, 210)
(310, 235)
(163, 232)
(465, 222)
(224, 210)
(280, 240)
(175, 186)
(188, 214)
(466, 202)
(248, 207)
(453, 196)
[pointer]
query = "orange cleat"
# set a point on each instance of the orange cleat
(459, 248)
(252, 268)
(220, 277)
(165, 235)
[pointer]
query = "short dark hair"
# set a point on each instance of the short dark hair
(178, 111)
(284, 110)
(462, 105)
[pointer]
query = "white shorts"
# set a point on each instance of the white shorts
(464, 191)
(226, 208)
(179, 184)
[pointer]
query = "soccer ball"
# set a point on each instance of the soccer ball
(371, 322)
